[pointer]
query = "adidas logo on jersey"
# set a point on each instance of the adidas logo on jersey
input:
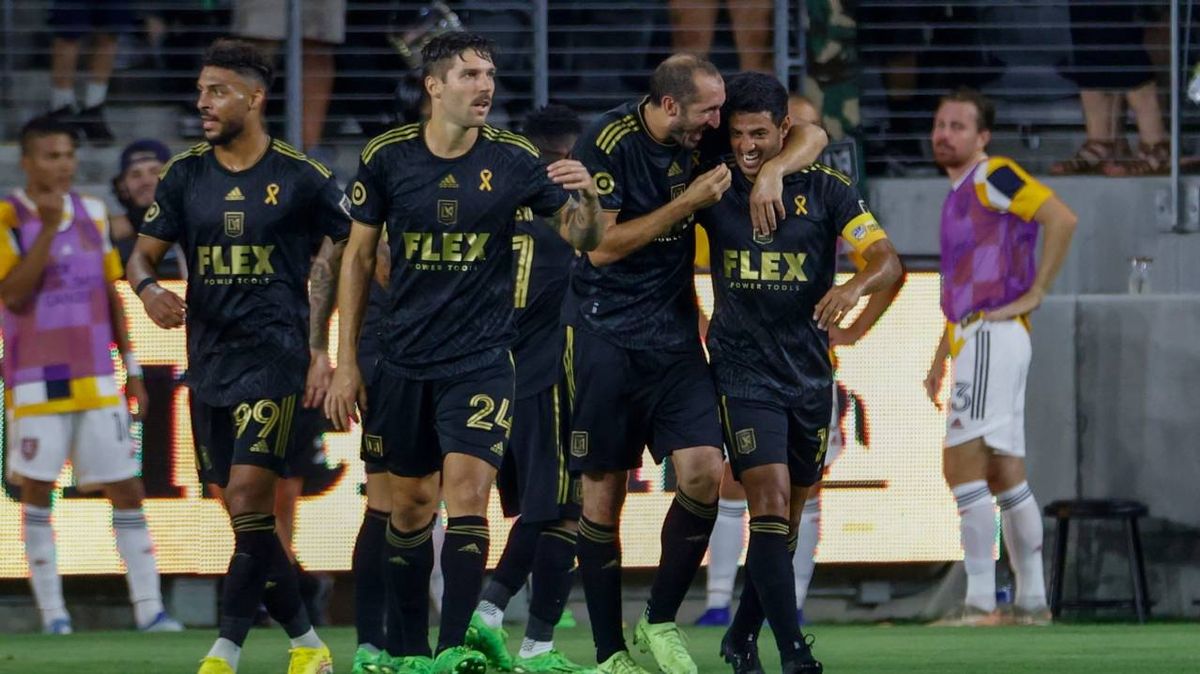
(398, 560)
(674, 170)
(260, 447)
(471, 548)
(235, 194)
(448, 183)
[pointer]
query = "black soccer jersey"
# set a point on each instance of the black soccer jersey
(450, 228)
(249, 237)
(542, 263)
(647, 299)
(763, 340)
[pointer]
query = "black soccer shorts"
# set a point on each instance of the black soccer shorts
(412, 423)
(624, 400)
(251, 432)
(534, 480)
(758, 433)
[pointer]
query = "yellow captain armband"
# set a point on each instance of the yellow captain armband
(862, 231)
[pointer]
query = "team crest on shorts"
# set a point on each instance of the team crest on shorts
(579, 443)
(373, 444)
(747, 441)
(29, 448)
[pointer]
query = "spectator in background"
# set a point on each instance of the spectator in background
(694, 22)
(71, 20)
(324, 26)
(1112, 66)
(134, 186)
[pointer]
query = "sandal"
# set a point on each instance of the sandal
(1091, 158)
(1150, 160)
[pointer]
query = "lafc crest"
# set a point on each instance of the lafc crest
(235, 223)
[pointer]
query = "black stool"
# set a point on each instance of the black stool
(1094, 509)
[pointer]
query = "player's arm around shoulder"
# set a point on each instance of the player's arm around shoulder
(802, 146)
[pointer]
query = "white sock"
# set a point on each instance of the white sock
(492, 615)
(308, 640)
(804, 560)
(978, 526)
(531, 648)
(42, 556)
(436, 583)
(227, 651)
(1022, 523)
(137, 551)
(94, 94)
(724, 549)
(62, 98)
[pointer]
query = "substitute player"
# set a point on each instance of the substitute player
(441, 395)
(635, 364)
(535, 485)
(249, 212)
(775, 301)
(991, 281)
(61, 312)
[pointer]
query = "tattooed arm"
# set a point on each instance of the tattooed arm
(322, 292)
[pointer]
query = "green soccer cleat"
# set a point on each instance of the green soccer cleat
(460, 660)
(668, 646)
(567, 620)
(409, 664)
(371, 662)
(550, 661)
(491, 641)
(620, 663)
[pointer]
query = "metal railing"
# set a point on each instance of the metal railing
(888, 63)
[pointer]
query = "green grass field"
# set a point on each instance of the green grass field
(1151, 649)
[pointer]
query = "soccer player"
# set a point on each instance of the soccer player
(249, 212)
(535, 485)
(441, 395)
(728, 538)
(61, 312)
(635, 364)
(991, 282)
(775, 302)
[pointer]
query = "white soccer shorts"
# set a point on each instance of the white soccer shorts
(97, 442)
(987, 400)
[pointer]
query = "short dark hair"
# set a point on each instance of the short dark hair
(755, 92)
(241, 57)
(551, 121)
(985, 110)
(43, 126)
(437, 53)
(676, 77)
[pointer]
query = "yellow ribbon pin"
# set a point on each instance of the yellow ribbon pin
(272, 195)
(801, 205)
(485, 180)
